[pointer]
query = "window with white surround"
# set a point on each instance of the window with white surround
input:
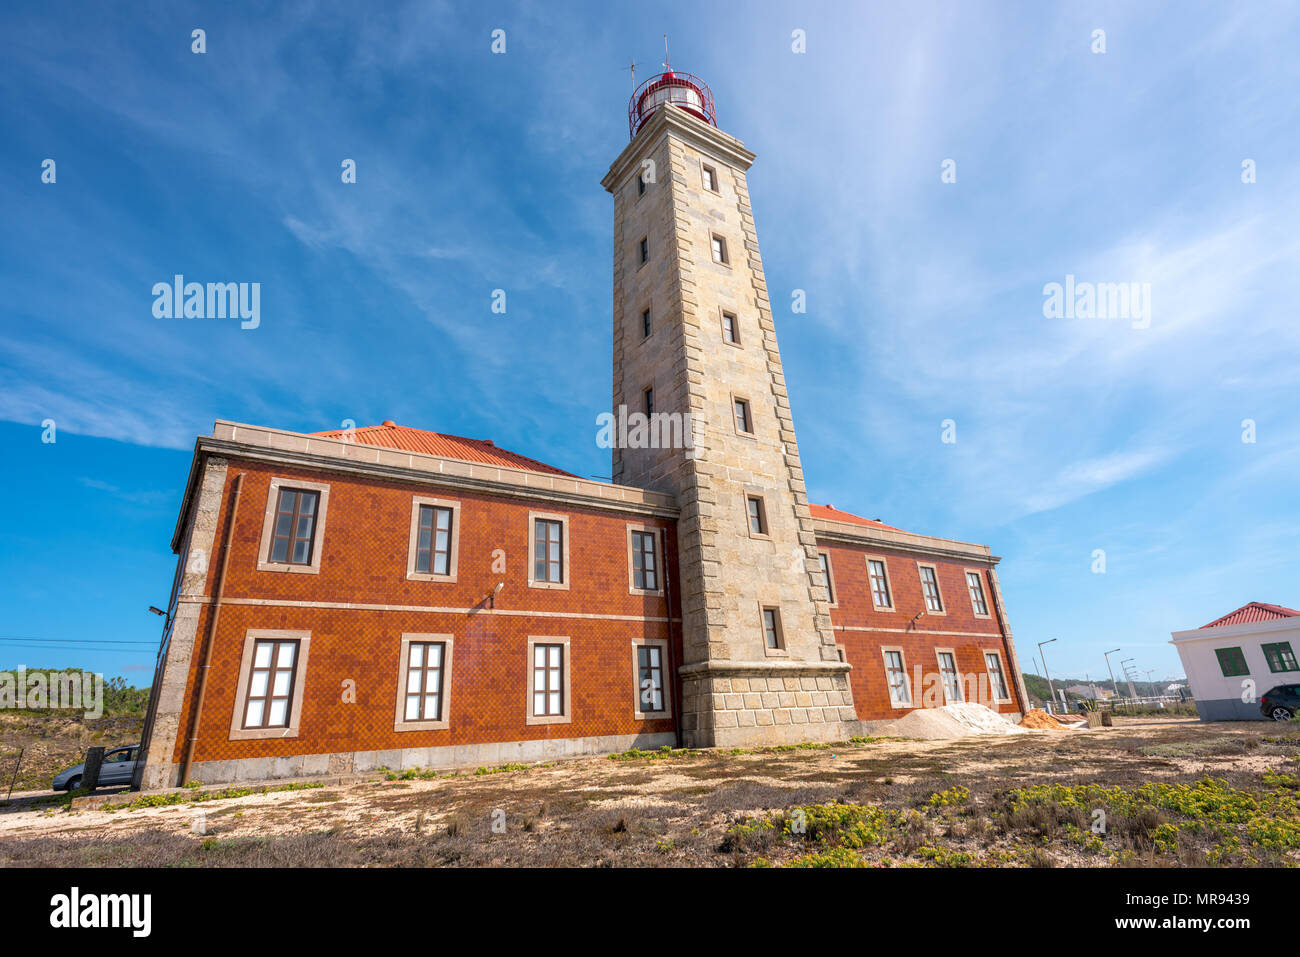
(645, 577)
(424, 683)
(649, 668)
(548, 550)
(949, 676)
(293, 529)
(435, 531)
(975, 585)
(997, 676)
(548, 680)
(878, 573)
(270, 684)
(930, 589)
(268, 702)
(900, 691)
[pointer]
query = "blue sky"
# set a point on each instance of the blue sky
(479, 171)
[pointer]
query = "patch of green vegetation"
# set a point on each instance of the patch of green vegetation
(420, 774)
(667, 751)
(1237, 826)
(196, 797)
(513, 767)
(833, 857)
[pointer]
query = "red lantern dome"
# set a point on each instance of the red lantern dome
(682, 90)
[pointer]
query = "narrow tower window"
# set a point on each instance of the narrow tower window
(772, 636)
(645, 323)
(824, 560)
(719, 249)
(757, 517)
(730, 330)
(645, 250)
(710, 179)
(744, 424)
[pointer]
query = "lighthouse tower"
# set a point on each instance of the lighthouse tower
(694, 334)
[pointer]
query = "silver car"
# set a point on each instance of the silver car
(116, 770)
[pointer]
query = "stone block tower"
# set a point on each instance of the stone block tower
(693, 334)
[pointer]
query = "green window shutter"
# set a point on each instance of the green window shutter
(1280, 657)
(1232, 662)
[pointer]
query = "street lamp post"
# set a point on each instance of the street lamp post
(1046, 673)
(1132, 692)
(1109, 670)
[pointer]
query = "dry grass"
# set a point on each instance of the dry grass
(701, 809)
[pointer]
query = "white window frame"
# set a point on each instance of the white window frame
(938, 588)
(237, 730)
(637, 712)
(907, 681)
(264, 563)
(400, 723)
(566, 672)
(956, 671)
(411, 550)
(984, 593)
(565, 548)
(1006, 678)
(659, 560)
(889, 585)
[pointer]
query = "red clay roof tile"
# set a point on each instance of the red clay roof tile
(390, 435)
(1255, 611)
(833, 514)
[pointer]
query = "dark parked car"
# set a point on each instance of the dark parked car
(116, 770)
(1280, 703)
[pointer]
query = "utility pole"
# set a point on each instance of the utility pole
(1046, 673)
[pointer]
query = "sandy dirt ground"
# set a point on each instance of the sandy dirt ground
(676, 810)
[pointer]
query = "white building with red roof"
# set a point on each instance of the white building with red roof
(1235, 660)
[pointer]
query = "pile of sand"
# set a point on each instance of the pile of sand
(950, 721)
(1041, 720)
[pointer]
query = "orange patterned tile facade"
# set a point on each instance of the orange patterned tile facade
(968, 636)
(364, 546)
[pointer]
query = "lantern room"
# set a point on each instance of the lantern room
(682, 90)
